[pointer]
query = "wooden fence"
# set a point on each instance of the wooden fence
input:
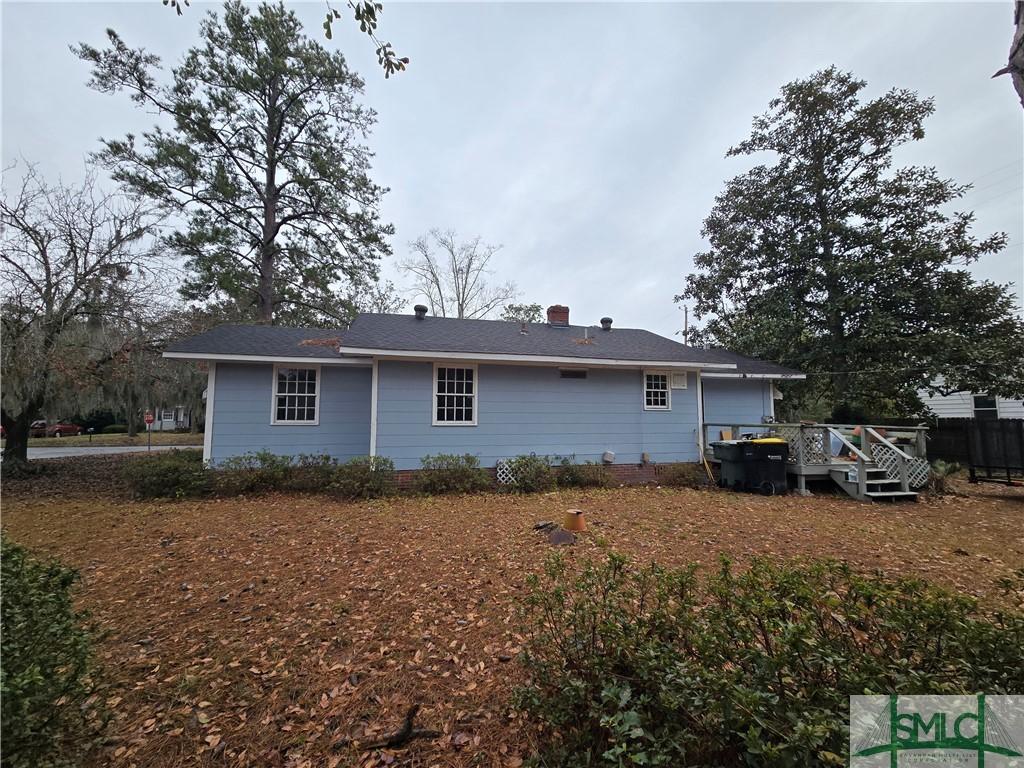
(993, 449)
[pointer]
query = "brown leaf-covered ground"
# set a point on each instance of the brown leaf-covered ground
(262, 631)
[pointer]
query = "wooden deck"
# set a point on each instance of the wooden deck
(890, 462)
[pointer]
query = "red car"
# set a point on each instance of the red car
(60, 429)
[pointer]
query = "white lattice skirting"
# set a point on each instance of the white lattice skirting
(505, 474)
(918, 469)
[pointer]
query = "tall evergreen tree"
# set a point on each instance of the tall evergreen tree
(827, 259)
(263, 161)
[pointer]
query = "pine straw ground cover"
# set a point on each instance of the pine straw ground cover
(272, 630)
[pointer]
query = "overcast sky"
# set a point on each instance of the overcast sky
(587, 139)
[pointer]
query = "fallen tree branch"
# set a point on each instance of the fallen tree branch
(394, 739)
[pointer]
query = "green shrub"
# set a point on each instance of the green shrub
(589, 474)
(939, 475)
(263, 471)
(683, 475)
(365, 477)
(114, 429)
(170, 474)
(254, 472)
(661, 667)
(532, 473)
(448, 473)
(310, 472)
(50, 715)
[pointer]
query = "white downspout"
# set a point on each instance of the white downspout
(700, 417)
(373, 408)
(211, 388)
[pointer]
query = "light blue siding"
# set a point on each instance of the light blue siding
(524, 409)
(735, 401)
(241, 415)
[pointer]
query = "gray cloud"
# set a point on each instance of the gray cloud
(588, 139)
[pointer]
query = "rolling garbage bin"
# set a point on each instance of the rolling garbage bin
(753, 465)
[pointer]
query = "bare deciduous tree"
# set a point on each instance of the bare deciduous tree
(72, 260)
(453, 275)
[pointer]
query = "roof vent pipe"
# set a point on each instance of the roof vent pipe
(606, 323)
(420, 310)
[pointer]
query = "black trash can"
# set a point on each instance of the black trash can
(757, 465)
(732, 468)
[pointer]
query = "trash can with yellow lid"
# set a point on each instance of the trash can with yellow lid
(753, 465)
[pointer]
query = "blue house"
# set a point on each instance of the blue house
(404, 386)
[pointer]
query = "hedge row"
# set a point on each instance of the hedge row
(181, 474)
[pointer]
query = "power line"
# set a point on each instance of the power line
(1015, 164)
(999, 196)
(972, 190)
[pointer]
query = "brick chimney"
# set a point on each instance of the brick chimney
(558, 315)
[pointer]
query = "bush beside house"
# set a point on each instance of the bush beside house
(180, 473)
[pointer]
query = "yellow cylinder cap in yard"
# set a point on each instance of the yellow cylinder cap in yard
(769, 440)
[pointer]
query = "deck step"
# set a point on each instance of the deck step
(890, 494)
(876, 472)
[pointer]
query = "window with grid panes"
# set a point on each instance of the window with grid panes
(656, 391)
(455, 395)
(295, 396)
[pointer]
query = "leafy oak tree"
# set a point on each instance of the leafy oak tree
(523, 313)
(828, 259)
(262, 157)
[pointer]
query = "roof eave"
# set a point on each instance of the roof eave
(222, 357)
(401, 354)
(738, 375)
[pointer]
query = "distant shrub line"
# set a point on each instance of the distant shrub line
(181, 474)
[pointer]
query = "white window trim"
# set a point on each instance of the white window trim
(316, 398)
(975, 409)
(643, 390)
(433, 395)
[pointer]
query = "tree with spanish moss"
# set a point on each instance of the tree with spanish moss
(827, 258)
(75, 263)
(261, 154)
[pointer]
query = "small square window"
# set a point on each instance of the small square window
(985, 407)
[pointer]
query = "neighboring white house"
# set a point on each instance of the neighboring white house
(967, 405)
(172, 417)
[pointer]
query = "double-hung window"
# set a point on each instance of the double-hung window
(296, 395)
(455, 389)
(657, 392)
(985, 407)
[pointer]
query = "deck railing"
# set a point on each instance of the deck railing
(900, 451)
(811, 443)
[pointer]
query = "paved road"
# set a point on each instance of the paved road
(61, 452)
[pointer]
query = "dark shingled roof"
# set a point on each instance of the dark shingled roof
(262, 340)
(406, 333)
